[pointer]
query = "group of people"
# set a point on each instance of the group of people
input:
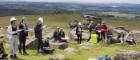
(97, 32)
(19, 33)
(59, 35)
(101, 32)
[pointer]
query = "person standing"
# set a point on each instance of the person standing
(22, 36)
(13, 37)
(91, 28)
(98, 32)
(38, 34)
(79, 33)
(109, 34)
(104, 29)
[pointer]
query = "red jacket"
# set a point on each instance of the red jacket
(104, 28)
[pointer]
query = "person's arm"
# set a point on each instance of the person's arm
(26, 26)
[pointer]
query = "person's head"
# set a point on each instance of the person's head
(23, 20)
(91, 22)
(61, 29)
(79, 24)
(13, 21)
(40, 20)
(58, 28)
(98, 24)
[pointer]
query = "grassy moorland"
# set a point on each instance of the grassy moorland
(62, 20)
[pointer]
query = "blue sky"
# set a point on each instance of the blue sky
(85, 1)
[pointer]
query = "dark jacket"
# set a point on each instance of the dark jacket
(38, 31)
(79, 31)
(92, 27)
(23, 27)
(56, 35)
(61, 34)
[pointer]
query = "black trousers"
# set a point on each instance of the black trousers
(99, 37)
(79, 39)
(103, 35)
(22, 43)
(40, 43)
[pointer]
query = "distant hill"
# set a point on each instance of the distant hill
(26, 8)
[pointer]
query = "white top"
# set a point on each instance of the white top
(11, 32)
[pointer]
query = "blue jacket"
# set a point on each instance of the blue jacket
(38, 31)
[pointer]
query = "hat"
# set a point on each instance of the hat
(12, 19)
(40, 19)
(58, 27)
(61, 28)
(98, 24)
(79, 23)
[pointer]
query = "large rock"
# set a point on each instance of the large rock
(31, 43)
(129, 55)
(86, 45)
(72, 34)
(69, 50)
(58, 57)
(92, 59)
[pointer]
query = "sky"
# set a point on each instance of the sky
(83, 1)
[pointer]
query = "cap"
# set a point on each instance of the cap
(40, 19)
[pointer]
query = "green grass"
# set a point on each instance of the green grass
(119, 14)
(81, 54)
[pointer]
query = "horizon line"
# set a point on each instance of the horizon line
(73, 2)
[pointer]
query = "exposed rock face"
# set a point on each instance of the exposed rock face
(31, 43)
(129, 55)
(72, 34)
(86, 45)
(58, 57)
(73, 24)
(70, 50)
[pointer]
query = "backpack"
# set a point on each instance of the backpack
(48, 50)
